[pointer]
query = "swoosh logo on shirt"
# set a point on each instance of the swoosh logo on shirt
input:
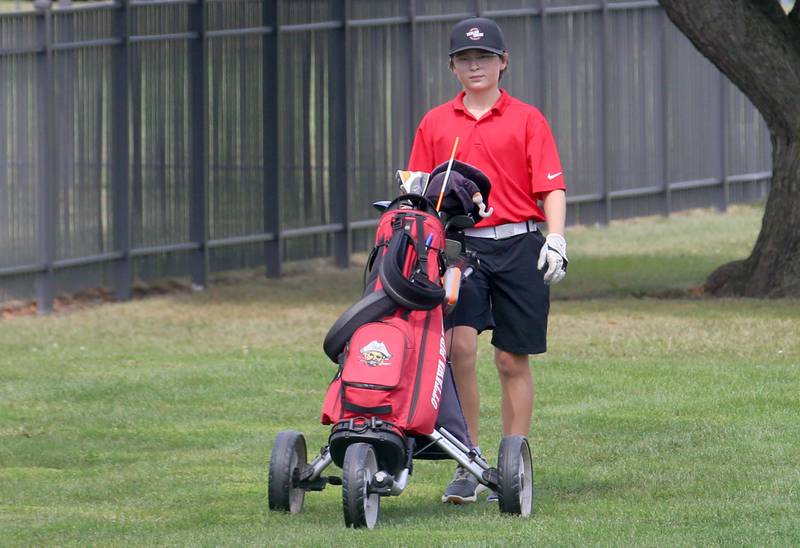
(553, 176)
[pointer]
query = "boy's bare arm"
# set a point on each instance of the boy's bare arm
(555, 209)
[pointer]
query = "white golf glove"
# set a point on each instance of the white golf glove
(554, 256)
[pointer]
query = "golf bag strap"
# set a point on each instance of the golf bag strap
(418, 293)
(377, 410)
(369, 309)
(422, 254)
(371, 268)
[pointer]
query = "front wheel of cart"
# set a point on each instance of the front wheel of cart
(287, 461)
(361, 508)
(515, 473)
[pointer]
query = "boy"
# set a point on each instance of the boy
(511, 143)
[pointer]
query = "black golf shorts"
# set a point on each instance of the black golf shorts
(506, 294)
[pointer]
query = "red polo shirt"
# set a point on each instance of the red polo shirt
(512, 144)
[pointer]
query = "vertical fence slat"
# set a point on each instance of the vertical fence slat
(605, 177)
(723, 142)
(413, 66)
(543, 98)
(69, 83)
(662, 114)
(6, 173)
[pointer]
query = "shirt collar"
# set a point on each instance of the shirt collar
(498, 108)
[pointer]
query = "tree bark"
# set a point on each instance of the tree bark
(773, 267)
(757, 45)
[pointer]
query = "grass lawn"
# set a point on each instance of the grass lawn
(7, 6)
(658, 421)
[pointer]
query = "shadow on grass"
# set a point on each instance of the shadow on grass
(636, 276)
(320, 282)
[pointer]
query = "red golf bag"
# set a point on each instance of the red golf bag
(390, 345)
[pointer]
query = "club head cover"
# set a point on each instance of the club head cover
(464, 182)
(457, 199)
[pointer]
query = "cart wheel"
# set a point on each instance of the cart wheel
(515, 476)
(287, 460)
(361, 508)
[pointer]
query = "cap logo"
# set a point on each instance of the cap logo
(474, 34)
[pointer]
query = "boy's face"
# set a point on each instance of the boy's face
(477, 69)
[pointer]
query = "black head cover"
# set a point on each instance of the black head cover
(464, 181)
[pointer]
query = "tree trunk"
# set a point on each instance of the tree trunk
(773, 267)
(757, 46)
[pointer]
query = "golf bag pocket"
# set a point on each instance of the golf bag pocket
(372, 380)
(376, 354)
(332, 406)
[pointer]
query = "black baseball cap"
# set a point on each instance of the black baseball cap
(477, 33)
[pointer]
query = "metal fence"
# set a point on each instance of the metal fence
(150, 138)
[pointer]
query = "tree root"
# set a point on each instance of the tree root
(729, 280)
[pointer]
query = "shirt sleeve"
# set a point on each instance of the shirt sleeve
(543, 161)
(421, 151)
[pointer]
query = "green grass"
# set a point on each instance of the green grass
(656, 255)
(658, 421)
(7, 6)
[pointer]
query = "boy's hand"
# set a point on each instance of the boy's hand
(554, 255)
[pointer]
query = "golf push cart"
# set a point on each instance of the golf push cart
(393, 398)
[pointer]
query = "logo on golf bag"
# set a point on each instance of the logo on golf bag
(375, 354)
(438, 384)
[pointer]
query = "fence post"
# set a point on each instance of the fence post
(269, 104)
(337, 70)
(45, 280)
(120, 154)
(198, 216)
